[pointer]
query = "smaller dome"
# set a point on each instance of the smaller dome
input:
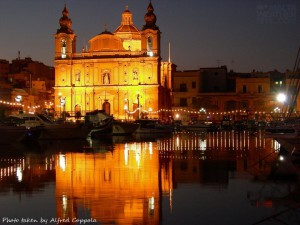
(127, 25)
(65, 22)
(150, 18)
(127, 28)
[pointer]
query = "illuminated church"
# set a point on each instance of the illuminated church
(120, 72)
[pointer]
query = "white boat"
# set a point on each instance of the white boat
(52, 130)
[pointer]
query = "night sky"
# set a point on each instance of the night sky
(245, 35)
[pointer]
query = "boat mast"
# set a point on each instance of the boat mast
(293, 88)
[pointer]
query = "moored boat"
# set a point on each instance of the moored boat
(124, 127)
(102, 124)
(195, 127)
(95, 122)
(51, 129)
(152, 127)
(11, 133)
(289, 129)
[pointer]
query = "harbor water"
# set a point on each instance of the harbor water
(215, 178)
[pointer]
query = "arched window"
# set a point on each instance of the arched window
(150, 46)
(63, 49)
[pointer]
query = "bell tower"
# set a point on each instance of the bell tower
(151, 34)
(65, 38)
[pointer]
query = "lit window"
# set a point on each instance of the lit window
(63, 49)
(150, 46)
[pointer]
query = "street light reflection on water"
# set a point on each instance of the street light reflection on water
(188, 178)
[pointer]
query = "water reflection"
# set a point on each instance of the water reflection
(183, 179)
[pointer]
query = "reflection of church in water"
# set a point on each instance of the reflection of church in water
(120, 72)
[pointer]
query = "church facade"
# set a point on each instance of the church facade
(120, 72)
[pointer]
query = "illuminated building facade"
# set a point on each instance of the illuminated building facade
(120, 72)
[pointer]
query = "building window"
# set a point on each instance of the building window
(183, 102)
(63, 49)
(194, 100)
(244, 89)
(194, 84)
(259, 89)
(77, 75)
(183, 88)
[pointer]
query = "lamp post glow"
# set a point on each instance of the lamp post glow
(138, 104)
(281, 97)
(126, 108)
(150, 110)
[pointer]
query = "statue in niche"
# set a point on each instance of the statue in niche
(106, 78)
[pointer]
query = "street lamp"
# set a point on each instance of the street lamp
(202, 112)
(18, 99)
(63, 104)
(138, 103)
(281, 97)
(126, 107)
(150, 110)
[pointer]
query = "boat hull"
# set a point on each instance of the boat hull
(65, 131)
(12, 134)
(124, 128)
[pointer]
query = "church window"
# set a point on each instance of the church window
(125, 73)
(149, 46)
(63, 49)
(77, 75)
(106, 77)
(87, 76)
(135, 74)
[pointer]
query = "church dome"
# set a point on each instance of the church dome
(105, 41)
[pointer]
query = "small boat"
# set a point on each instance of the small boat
(94, 123)
(289, 129)
(11, 132)
(152, 127)
(199, 126)
(101, 122)
(124, 127)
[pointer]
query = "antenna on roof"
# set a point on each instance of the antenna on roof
(169, 51)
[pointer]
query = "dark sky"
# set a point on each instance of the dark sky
(242, 34)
